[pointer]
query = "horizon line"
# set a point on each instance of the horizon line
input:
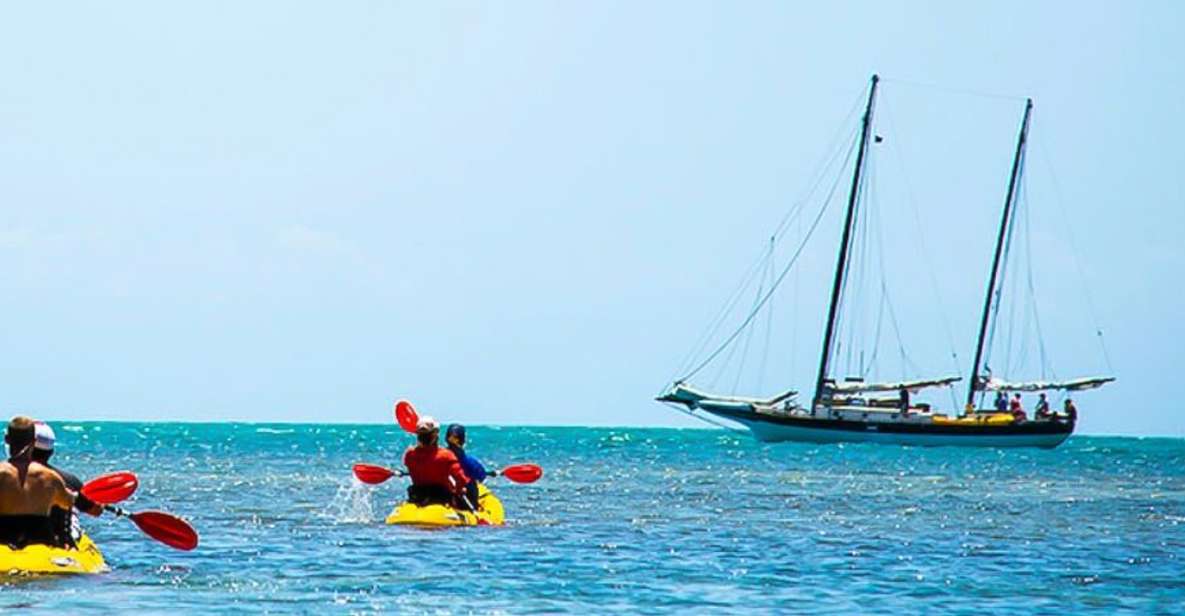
(495, 425)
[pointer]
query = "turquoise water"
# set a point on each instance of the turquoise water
(650, 520)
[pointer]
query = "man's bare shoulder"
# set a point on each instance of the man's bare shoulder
(47, 471)
(8, 472)
(44, 474)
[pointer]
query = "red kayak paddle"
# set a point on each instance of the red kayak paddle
(406, 415)
(164, 527)
(374, 474)
(111, 488)
(522, 473)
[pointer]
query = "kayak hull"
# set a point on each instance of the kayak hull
(988, 431)
(490, 513)
(44, 559)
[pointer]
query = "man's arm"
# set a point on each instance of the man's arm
(81, 503)
(62, 496)
(479, 470)
(460, 479)
(86, 505)
(73, 483)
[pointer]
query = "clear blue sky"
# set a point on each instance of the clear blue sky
(525, 212)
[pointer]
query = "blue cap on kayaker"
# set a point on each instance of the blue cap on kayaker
(472, 467)
(456, 432)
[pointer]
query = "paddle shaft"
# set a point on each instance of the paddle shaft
(464, 498)
(468, 504)
(395, 472)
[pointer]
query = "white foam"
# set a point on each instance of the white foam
(352, 504)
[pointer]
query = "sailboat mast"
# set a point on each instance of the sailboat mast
(841, 264)
(1004, 222)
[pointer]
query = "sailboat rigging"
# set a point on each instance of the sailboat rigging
(1005, 223)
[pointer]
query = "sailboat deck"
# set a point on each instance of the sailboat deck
(874, 414)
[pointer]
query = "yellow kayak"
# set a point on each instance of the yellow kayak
(489, 512)
(41, 559)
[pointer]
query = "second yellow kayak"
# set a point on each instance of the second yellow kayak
(44, 559)
(489, 512)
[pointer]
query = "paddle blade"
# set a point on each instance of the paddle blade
(372, 474)
(406, 415)
(523, 473)
(111, 488)
(167, 529)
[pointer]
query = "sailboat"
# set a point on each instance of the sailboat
(853, 410)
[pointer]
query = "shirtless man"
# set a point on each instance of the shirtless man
(28, 490)
(64, 521)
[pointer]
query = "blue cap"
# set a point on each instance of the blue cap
(456, 430)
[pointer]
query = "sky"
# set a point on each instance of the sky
(526, 213)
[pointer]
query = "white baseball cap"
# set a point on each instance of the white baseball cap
(427, 423)
(44, 439)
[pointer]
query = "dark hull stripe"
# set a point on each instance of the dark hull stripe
(954, 430)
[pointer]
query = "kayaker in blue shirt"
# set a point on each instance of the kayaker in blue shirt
(471, 465)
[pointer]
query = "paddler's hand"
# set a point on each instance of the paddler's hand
(492, 473)
(85, 505)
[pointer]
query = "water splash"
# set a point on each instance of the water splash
(352, 504)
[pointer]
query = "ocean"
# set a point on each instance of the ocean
(632, 520)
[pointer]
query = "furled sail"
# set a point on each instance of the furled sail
(691, 397)
(1071, 385)
(851, 387)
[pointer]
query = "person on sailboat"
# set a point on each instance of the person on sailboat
(904, 402)
(1070, 410)
(1041, 411)
(1001, 402)
(1016, 408)
(477, 473)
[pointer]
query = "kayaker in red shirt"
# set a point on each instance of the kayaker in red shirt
(436, 474)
